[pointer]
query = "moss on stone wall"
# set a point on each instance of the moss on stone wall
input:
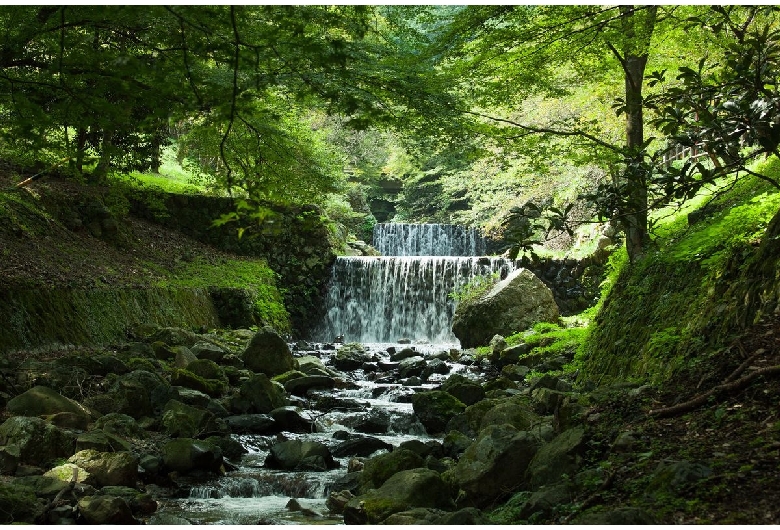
(35, 318)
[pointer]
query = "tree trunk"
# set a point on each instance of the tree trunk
(638, 25)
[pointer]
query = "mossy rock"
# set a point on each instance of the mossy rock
(185, 378)
(380, 468)
(18, 504)
(288, 376)
(434, 409)
(207, 369)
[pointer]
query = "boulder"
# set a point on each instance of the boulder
(120, 425)
(420, 487)
(106, 509)
(435, 408)
(18, 504)
(38, 442)
(43, 401)
(107, 469)
(361, 446)
(258, 395)
(412, 367)
(380, 468)
(464, 389)
(514, 411)
(290, 420)
(561, 456)
(493, 465)
(183, 421)
(174, 337)
(512, 305)
(268, 353)
(182, 356)
(209, 351)
(186, 378)
(351, 357)
(251, 424)
(184, 455)
(301, 385)
(300, 456)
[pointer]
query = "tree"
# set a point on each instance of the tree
(505, 54)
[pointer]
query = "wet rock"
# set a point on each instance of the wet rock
(493, 465)
(38, 442)
(361, 446)
(188, 379)
(251, 424)
(140, 503)
(268, 353)
(290, 420)
(514, 304)
(411, 367)
(515, 372)
(380, 468)
(464, 389)
(405, 353)
(351, 357)
(300, 456)
(373, 421)
(419, 487)
(231, 448)
(515, 411)
(185, 455)
(424, 449)
(435, 408)
(43, 401)
(337, 500)
(434, 366)
(105, 509)
(300, 386)
(258, 395)
(455, 444)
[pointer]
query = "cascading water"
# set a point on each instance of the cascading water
(407, 295)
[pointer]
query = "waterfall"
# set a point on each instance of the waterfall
(399, 239)
(384, 299)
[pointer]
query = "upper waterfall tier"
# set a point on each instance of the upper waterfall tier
(398, 239)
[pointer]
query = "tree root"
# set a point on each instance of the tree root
(729, 385)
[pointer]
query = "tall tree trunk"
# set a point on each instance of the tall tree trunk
(638, 25)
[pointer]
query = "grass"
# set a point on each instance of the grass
(172, 178)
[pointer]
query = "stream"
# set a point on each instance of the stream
(390, 305)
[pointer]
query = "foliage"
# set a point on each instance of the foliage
(476, 288)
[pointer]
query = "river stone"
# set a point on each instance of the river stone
(186, 454)
(300, 455)
(208, 351)
(38, 442)
(373, 421)
(131, 394)
(493, 465)
(464, 389)
(300, 386)
(258, 395)
(140, 503)
(43, 401)
(207, 369)
(351, 357)
(211, 387)
(101, 441)
(182, 421)
(290, 420)
(268, 353)
(411, 367)
(251, 424)
(182, 356)
(105, 509)
(361, 446)
(407, 489)
(512, 305)
(435, 408)
(311, 365)
(405, 353)
(380, 468)
(561, 456)
(107, 469)
(120, 425)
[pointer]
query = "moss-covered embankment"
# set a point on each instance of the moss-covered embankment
(294, 240)
(713, 275)
(82, 265)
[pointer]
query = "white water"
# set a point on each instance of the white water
(400, 239)
(406, 293)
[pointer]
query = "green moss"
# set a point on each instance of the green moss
(658, 316)
(18, 504)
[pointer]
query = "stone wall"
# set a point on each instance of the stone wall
(575, 283)
(294, 240)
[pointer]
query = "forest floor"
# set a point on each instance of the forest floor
(735, 434)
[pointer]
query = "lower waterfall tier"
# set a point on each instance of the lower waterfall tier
(385, 299)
